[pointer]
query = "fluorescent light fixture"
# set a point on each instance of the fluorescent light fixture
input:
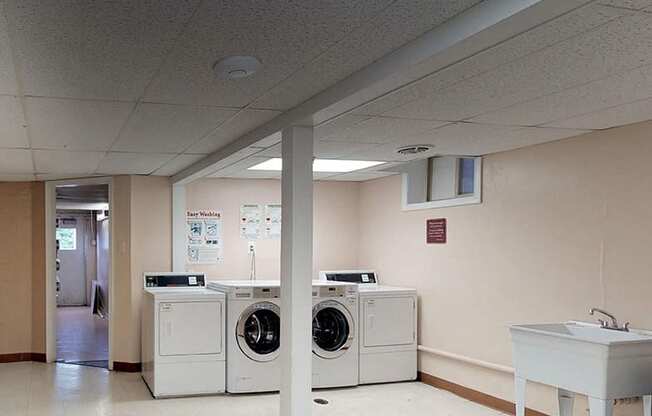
(321, 165)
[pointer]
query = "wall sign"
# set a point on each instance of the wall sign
(273, 221)
(436, 231)
(250, 215)
(204, 236)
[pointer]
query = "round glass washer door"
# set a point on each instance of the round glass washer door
(332, 329)
(259, 331)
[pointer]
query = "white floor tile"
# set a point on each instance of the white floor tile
(35, 389)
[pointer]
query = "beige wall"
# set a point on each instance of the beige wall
(563, 226)
(335, 225)
(121, 294)
(22, 273)
(143, 234)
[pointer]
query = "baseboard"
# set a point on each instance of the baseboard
(474, 395)
(22, 356)
(126, 367)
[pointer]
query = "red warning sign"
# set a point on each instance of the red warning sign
(436, 231)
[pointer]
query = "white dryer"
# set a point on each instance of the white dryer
(388, 327)
(334, 334)
(253, 334)
(183, 347)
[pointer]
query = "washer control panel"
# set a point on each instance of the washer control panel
(339, 291)
(175, 280)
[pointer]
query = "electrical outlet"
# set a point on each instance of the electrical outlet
(251, 247)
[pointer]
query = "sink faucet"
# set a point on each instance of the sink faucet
(614, 322)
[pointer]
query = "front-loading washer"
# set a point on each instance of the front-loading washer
(253, 325)
(334, 334)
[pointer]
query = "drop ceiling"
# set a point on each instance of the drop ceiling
(91, 88)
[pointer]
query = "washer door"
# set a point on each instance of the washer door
(259, 330)
(332, 329)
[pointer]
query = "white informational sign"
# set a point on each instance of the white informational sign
(250, 219)
(273, 221)
(204, 237)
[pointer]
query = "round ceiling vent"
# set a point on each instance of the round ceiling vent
(236, 67)
(413, 149)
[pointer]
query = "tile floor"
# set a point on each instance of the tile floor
(37, 389)
(81, 336)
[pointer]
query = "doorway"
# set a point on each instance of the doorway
(82, 274)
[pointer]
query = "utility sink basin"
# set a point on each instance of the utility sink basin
(578, 357)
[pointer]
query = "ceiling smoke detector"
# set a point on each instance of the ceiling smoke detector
(413, 149)
(236, 67)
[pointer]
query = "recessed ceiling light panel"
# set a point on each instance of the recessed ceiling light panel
(321, 165)
(236, 67)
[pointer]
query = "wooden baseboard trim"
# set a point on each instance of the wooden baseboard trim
(474, 395)
(38, 357)
(22, 356)
(126, 367)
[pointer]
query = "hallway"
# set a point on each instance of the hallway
(81, 337)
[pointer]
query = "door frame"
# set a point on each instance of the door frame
(51, 267)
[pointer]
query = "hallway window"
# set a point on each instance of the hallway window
(67, 238)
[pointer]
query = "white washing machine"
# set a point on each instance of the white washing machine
(183, 347)
(334, 334)
(253, 326)
(388, 327)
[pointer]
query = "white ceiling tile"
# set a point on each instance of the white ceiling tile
(555, 31)
(620, 45)
(396, 25)
(383, 129)
(66, 162)
(610, 117)
(387, 152)
(12, 123)
(242, 123)
(605, 93)
(116, 163)
(338, 126)
(630, 4)
(75, 124)
(57, 176)
(324, 149)
(272, 151)
(16, 161)
(177, 164)
(239, 165)
(168, 128)
(469, 139)
(359, 176)
(283, 37)
(83, 49)
(7, 70)
(17, 178)
(481, 139)
(270, 140)
(332, 149)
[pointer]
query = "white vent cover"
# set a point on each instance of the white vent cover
(413, 149)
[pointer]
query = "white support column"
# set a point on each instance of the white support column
(566, 401)
(296, 272)
(520, 386)
(178, 228)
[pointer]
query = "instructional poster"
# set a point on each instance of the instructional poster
(250, 216)
(204, 237)
(273, 221)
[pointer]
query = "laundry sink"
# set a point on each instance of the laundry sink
(578, 357)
